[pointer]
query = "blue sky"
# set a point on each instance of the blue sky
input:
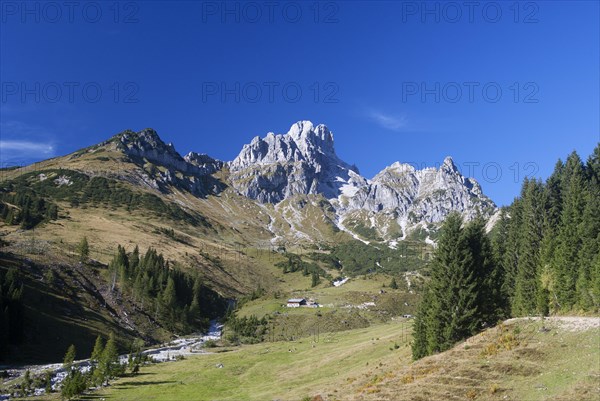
(504, 88)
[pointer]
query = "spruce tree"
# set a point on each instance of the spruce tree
(315, 279)
(488, 274)
(109, 361)
(98, 349)
(499, 241)
(569, 241)
(589, 231)
(194, 313)
(419, 343)
(526, 280)
(450, 313)
(169, 301)
(69, 357)
(83, 250)
(510, 259)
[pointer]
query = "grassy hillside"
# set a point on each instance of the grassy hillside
(521, 359)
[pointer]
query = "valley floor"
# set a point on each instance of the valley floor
(521, 359)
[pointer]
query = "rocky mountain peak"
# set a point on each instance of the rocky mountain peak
(416, 196)
(147, 144)
(449, 166)
(303, 160)
(205, 163)
(303, 142)
(310, 138)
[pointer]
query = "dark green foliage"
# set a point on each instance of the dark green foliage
(83, 249)
(98, 349)
(20, 205)
(12, 312)
(27, 382)
(294, 263)
(48, 382)
(315, 280)
(552, 241)
(569, 241)
(108, 364)
(177, 299)
(245, 329)
(393, 284)
(359, 258)
(463, 294)
(73, 385)
(531, 229)
(69, 357)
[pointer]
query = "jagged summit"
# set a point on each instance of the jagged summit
(427, 195)
(147, 144)
(302, 161)
(204, 162)
(303, 142)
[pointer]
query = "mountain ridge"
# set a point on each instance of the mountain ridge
(297, 164)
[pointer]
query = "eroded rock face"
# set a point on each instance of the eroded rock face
(192, 172)
(302, 161)
(426, 195)
(147, 144)
(206, 164)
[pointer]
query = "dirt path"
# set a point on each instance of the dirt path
(568, 323)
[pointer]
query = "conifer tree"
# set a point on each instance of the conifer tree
(569, 241)
(109, 361)
(69, 357)
(83, 249)
(488, 274)
(98, 349)
(499, 236)
(526, 280)
(449, 315)
(315, 279)
(419, 344)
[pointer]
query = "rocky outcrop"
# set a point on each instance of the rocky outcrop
(426, 195)
(192, 173)
(206, 165)
(146, 144)
(302, 161)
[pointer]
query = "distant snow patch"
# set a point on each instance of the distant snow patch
(340, 282)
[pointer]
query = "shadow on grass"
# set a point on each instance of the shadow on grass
(141, 374)
(143, 383)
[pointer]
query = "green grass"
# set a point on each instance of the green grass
(281, 370)
(374, 364)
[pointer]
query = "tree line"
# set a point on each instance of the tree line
(542, 257)
(176, 298)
